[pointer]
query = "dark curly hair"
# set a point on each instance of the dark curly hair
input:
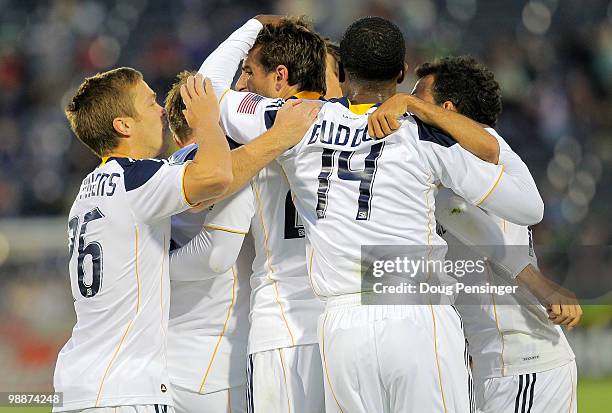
(468, 84)
(294, 44)
(373, 49)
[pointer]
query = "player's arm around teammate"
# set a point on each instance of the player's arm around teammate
(219, 66)
(514, 195)
(468, 133)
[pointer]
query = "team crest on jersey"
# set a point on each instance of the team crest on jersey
(249, 103)
(163, 388)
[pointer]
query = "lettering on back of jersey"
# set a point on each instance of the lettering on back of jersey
(99, 184)
(332, 133)
(138, 172)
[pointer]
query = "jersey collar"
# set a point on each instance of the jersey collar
(308, 95)
(358, 109)
(104, 160)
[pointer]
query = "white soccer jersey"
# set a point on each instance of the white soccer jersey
(284, 310)
(351, 190)
(119, 232)
(208, 328)
(507, 335)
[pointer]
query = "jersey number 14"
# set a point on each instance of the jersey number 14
(365, 178)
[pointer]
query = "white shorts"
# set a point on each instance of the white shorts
(396, 359)
(286, 380)
(140, 408)
(551, 391)
(232, 400)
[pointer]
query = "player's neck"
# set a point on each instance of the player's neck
(359, 94)
(288, 91)
(129, 151)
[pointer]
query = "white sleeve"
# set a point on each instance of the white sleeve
(234, 213)
(215, 249)
(481, 183)
(221, 65)
(516, 188)
(508, 247)
(154, 188)
(245, 116)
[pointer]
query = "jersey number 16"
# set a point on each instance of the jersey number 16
(93, 249)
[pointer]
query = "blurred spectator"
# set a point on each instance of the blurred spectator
(553, 59)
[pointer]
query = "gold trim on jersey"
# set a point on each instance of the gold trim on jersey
(308, 95)
(269, 261)
(229, 312)
(490, 191)
(183, 187)
(104, 160)
(360, 108)
(572, 391)
(280, 354)
(433, 317)
(331, 388)
(223, 94)
(110, 363)
(233, 231)
(137, 275)
(161, 297)
(310, 273)
(501, 334)
(229, 400)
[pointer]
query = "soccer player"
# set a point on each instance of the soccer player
(332, 70)
(522, 362)
(119, 234)
(370, 355)
(285, 60)
(209, 297)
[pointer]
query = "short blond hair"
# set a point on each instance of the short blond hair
(97, 102)
(174, 108)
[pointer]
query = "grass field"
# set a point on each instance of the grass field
(594, 396)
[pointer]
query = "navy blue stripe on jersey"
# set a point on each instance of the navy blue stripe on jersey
(191, 154)
(173, 245)
(270, 117)
(137, 172)
(186, 153)
(232, 143)
(343, 101)
(431, 134)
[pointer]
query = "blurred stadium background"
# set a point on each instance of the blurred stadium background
(553, 59)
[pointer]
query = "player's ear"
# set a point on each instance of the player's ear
(177, 141)
(402, 74)
(123, 126)
(341, 76)
(282, 74)
(448, 105)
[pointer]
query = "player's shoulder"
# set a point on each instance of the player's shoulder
(184, 154)
(428, 133)
(249, 102)
(137, 172)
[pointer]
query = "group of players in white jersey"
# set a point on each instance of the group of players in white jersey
(229, 278)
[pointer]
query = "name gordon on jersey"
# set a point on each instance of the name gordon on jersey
(99, 184)
(331, 134)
